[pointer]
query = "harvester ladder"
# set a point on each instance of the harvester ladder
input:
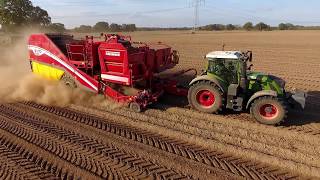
(86, 54)
(70, 53)
(89, 55)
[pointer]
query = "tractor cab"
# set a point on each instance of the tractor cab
(230, 69)
(228, 66)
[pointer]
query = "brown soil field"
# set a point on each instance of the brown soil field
(95, 140)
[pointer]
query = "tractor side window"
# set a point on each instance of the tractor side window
(211, 65)
(226, 69)
(216, 66)
(233, 67)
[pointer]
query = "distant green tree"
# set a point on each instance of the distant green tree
(57, 27)
(101, 27)
(230, 27)
(248, 26)
(115, 27)
(128, 27)
(290, 26)
(213, 27)
(262, 27)
(282, 26)
(39, 17)
(83, 29)
(18, 13)
(287, 26)
(218, 27)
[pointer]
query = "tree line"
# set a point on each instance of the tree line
(98, 27)
(104, 27)
(16, 15)
(249, 26)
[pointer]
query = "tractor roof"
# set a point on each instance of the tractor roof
(224, 54)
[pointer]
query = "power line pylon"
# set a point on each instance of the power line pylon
(196, 4)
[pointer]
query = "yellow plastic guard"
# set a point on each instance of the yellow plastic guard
(46, 71)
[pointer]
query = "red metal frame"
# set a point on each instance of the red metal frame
(117, 60)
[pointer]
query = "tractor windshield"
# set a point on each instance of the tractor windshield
(224, 69)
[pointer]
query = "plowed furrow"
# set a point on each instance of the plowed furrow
(19, 163)
(303, 128)
(103, 161)
(164, 143)
(56, 147)
(306, 129)
(244, 137)
(298, 153)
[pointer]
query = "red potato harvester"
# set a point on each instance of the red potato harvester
(117, 67)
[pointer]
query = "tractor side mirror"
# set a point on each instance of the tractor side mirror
(249, 56)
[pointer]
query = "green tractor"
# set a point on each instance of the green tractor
(229, 83)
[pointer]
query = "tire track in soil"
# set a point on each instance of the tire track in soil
(303, 122)
(86, 153)
(236, 165)
(19, 163)
(78, 158)
(307, 133)
(303, 126)
(287, 152)
(24, 153)
(290, 151)
(271, 139)
(197, 170)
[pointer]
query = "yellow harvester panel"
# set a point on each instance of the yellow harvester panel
(47, 71)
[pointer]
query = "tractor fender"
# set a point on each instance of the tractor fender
(260, 94)
(207, 78)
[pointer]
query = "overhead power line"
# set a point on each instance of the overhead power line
(196, 4)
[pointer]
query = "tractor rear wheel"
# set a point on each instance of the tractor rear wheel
(268, 110)
(206, 97)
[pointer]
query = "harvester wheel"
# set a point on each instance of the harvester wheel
(206, 97)
(135, 107)
(68, 81)
(268, 110)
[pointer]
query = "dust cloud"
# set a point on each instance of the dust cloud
(17, 83)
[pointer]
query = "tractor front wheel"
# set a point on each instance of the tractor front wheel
(205, 96)
(268, 110)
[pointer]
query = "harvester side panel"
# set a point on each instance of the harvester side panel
(114, 64)
(43, 50)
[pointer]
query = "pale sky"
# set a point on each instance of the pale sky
(179, 13)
